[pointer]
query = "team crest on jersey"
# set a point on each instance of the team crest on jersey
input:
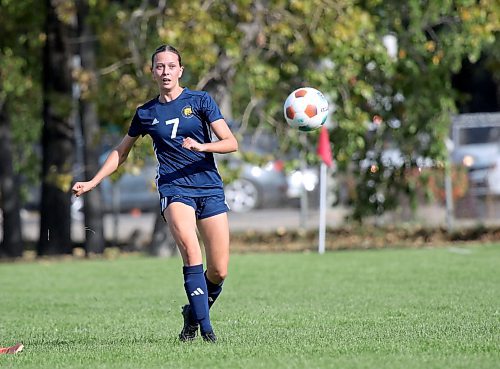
(187, 112)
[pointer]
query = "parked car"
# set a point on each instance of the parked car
(476, 145)
(306, 180)
(131, 192)
(268, 184)
(256, 186)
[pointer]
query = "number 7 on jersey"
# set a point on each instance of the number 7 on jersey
(175, 122)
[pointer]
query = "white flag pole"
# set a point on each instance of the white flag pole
(322, 208)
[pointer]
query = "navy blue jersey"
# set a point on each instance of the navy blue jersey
(181, 171)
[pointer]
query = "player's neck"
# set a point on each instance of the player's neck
(169, 95)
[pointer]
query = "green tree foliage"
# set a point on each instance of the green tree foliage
(21, 39)
(269, 49)
(252, 53)
(415, 100)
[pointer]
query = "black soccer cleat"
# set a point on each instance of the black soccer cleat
(209, 337)
(190, 328)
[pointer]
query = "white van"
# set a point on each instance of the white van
(476, 145)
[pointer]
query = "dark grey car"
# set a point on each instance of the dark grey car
(256, 185)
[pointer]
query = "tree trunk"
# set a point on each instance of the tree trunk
(219, 85)
(94, 235)
(57, 139)
(11, 245)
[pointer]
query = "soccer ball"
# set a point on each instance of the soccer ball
(306, 109)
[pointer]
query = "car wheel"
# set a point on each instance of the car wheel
(242, 195)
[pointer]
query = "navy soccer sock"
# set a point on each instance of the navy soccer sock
(196, 290)
(214, 290)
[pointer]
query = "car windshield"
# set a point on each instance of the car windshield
(479, 135)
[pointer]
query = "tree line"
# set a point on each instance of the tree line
(386, 67)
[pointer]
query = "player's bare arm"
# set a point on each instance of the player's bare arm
(115, 158)
(226, 143)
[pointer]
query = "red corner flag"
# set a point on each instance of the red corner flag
(324, 148)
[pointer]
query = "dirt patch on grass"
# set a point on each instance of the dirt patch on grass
(360, 237)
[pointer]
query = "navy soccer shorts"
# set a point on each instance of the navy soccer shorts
(204, 207)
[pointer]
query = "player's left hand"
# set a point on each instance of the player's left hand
(190, 144)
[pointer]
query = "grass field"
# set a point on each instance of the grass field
(393, 308)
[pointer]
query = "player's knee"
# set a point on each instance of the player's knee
(222, 275)
(217, 275)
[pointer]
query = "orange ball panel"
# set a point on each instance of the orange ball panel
(311, 111)
(300, 93)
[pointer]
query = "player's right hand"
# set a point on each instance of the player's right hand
(81, 187)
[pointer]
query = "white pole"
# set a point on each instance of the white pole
(448, 187)
(322, 208)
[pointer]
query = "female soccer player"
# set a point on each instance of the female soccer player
(180, 123)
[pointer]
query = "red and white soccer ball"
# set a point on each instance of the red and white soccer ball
(306, 109)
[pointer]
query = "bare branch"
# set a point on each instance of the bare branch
(136, 26)
(206, 78)
(111, 68)
(206, 4)
(247, 113)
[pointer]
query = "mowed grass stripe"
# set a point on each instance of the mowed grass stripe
(407, 308)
